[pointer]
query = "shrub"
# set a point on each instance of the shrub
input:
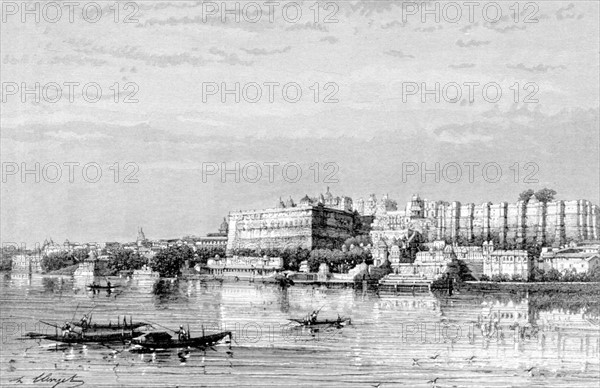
(59, 260)
(124, 260)
(168, 262)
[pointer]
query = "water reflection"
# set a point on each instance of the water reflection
(394, 338)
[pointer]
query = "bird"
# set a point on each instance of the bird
(433, 382)
(376, 385)
(434, 357)
(415, 362)
(470, 359)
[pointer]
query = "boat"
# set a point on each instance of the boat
(110, 326)
(162, 340)
(341, 321)
(83, 337)
(99, 287)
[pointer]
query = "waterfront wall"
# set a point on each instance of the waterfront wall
(27, 263)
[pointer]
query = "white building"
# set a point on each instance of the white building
(580, 259)
(508, 263)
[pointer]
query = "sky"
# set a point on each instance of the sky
(137, 115)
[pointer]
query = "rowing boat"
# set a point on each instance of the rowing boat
(98, 287)
(110, 326)
(81, 338)
(323, 322)
(162, 340)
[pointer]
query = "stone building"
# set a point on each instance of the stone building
(552, 223)
(508, 263)
(580, 259)
(29, 263)
(322, 222)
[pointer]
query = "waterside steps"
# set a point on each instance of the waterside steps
(404, 283)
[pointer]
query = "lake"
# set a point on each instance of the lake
(464, 340)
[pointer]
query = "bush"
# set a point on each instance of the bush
(5, 263)
(168, 262)
(124, 260)
(60, 260)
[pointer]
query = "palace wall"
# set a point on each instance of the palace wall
(519, 223)
(305, 227)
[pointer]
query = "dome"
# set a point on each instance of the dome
(224, 226)
(305, 200)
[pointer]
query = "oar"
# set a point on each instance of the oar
(49, 324)
(75, 313)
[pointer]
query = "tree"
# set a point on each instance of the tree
(317, 257)
(545, 195)
(526, 195)
(168, 262)
(594, 274)
(203, 254)
(125, 260)
(459, 270)
(58, 260)
(552, 276)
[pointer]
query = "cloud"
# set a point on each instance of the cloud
(308, 26)
(398, 54)
(472, 43)
(393, 23)
(541, 68)
(428, 29)
(563, 13)
(469, 27)
(229, 58)
(330, 39)
(462, 66)
(257, 51)
(506, 29)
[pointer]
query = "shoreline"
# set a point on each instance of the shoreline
(474, 286)
(567, 287)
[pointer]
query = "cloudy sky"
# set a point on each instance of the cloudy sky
(352, 122)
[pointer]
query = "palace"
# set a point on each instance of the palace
(322, 222)
(553, 223)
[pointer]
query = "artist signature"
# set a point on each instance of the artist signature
(47, 378)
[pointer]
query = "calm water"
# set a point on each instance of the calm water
(396, 340)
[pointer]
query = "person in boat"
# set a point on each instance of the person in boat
(84, 322)
(108, 283)
(313, 316)
(181, 333)
(67, 329)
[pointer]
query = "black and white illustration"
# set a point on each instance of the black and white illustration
(309, 193)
